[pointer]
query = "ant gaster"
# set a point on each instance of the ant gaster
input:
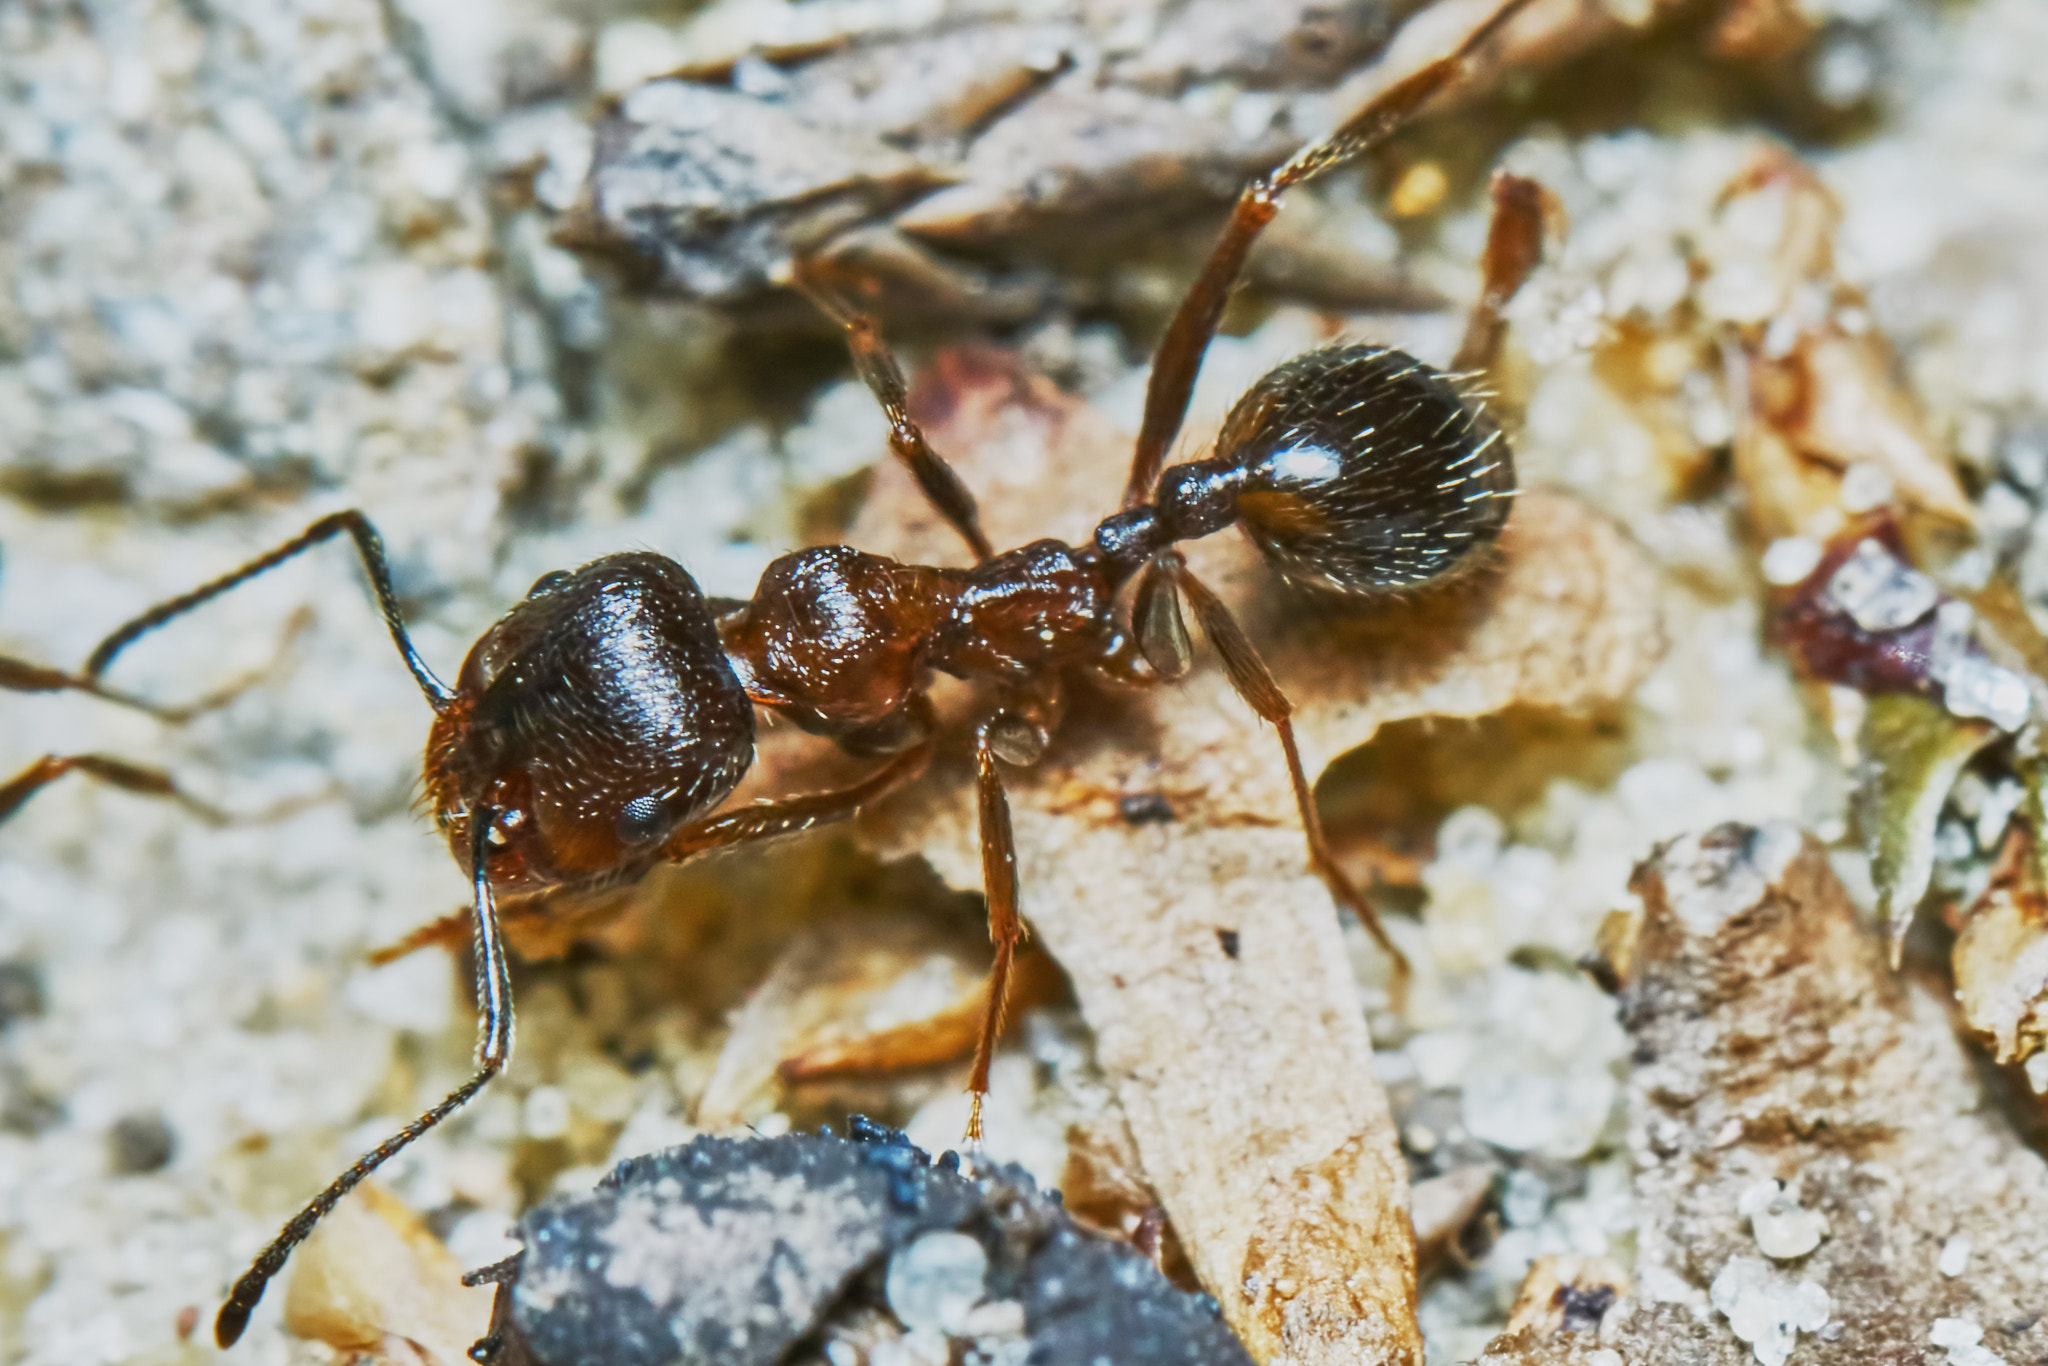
(595, 730)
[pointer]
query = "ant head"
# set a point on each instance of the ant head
(596, 717)
(1365, 470)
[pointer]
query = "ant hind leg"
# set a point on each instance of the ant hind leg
(1179, 357)
(1254, 683)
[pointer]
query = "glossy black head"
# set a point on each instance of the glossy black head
(597, 716)
(1364, 470)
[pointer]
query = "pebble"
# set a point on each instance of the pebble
(936, 1281)
(1879, 591)
(1789, 559)
(1524, 1199)
(1782, 1229)
(1955, 1257)
(1963, 1340)
(1767, 1309)
(140, 1143)
(546, 1112)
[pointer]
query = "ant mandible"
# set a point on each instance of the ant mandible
(596, 728)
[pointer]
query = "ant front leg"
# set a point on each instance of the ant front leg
(938, 481)
(1253, 682)
(369, 548)
(1179, 358)
(791, 815)
(493, 1051)
(149, 782)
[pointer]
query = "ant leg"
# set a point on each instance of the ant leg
(369, 548)
(493, 1051)
(999, 883)
(1254, 683)
(878, 370)
(19, 675)
(1514, 244)
(150, 782)
(1179, 358)
(789, 815)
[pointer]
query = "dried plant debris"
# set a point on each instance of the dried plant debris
(815, 1249)
(1816, 1174)
(1206, 958)
(1709, 293)
(1914, 753)
(2001, 954)
(877, 994)
(1934, 707)
(913, 148)
(373, 1279)
(1862, 616)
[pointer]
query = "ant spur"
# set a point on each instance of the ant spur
(595, 730)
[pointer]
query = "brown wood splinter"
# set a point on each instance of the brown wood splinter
(598, 728)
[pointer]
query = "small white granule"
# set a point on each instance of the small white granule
(1955, 1257)
(1789, 559)
(1766, 1309)
(546, 1113)
(1865, 487)
(1783, 1230)
(935, 1282)
(1880, 592)
(1962, 1339)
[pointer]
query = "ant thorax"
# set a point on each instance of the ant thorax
(840, 640)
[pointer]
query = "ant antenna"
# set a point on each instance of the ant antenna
(494, 1050)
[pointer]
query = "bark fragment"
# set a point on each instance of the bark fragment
(949, 152)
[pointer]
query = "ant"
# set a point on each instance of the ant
(595, 730)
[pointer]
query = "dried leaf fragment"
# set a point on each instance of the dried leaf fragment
(372, 1278)
(1440, 1207)
(1820, 387)
(875, 992)
(1567, 1293)
(2001, 967)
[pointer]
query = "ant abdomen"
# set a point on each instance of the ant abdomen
(1364, 470)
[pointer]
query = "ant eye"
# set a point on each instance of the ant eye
(643, 819)
(548, 582)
